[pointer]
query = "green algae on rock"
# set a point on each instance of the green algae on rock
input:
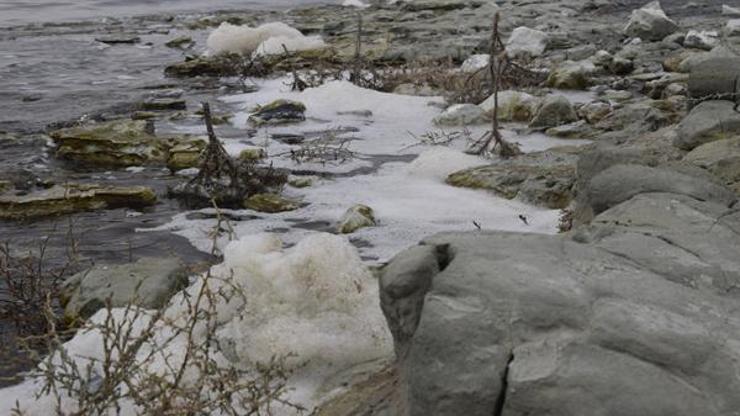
(60, 200)
(121, 143)
(270, 203)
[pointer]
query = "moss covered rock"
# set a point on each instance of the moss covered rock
(359, 216)
(120, 143)
(270, 203)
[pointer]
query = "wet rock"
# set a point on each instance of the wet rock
(721, 158)
(542, 178)
(733, 28)
(163, 104)
(358, 216)
(118, 39)
(512, 106)
(705, 40)
(650, 23)
(149, 282)
(554, 111)
(699, 59)
(441, 5)
(571, 75)
(270, 203)
(708, 122)
(730, 11)
(526, 42)
(278, 112)
(143, 115)
(180, 42)
(5, 186)
(221, 65)
(639, 117)
(461, 115)
(118, 143)
(185, 155)
(60, 200)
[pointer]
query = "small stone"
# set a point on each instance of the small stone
(595, 111)
(252, 154)
(526, 42)
(578, 130)
(571, 75)
(555, 110)
(279, 112)
(270, 203)
(300, 181)
(512, 106)
(359, 216)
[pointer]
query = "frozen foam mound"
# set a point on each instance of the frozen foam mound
(315, 301)
(268, 39)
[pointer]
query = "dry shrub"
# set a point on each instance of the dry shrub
(160, 363)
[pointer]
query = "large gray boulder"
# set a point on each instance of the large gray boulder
(519, 324)
(650, 23)
(715, 79)
(707, 122)
(721, 158)
(149, 282)
(620, 183)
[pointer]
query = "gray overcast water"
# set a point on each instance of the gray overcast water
(16, 12)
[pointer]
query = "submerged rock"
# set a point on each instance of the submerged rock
(270, 203)
(650, 23)
(180, 42)
(163, 104)
(120, 143)
(149, 283)
(460, 115)
(542, 178)
(554, 111)
(359, 216)
(60, 200)
(221, 65)
(279, 112)
(118, 39)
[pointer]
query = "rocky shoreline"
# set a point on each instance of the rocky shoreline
(636, 132)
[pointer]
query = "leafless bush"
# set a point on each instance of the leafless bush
(27, 282)
(160, 363)
(439, 138)
(325, 149)
(225, 180)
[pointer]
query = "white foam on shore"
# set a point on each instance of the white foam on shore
(267, 39)
(410, 200)
(316, 302)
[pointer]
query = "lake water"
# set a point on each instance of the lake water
(15, 12)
